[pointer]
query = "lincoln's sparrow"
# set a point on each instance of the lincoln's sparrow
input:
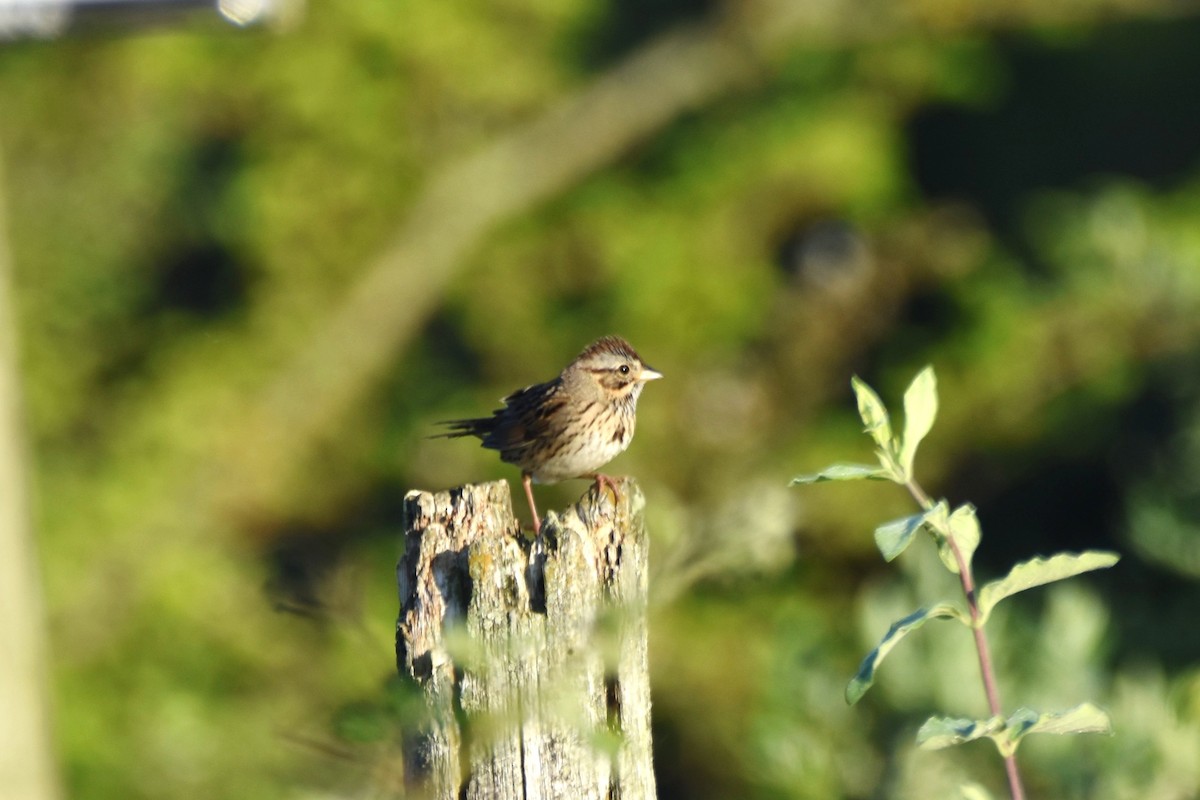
(571, 426)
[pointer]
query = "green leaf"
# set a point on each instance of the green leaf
(842, 472)
(874, 415)
(920, 409)
(940, 732)
(1019, 723)
(893, 538)
(866, 671)
(1038, 572)
(1083, 718)
(938, 524)
(963, 528)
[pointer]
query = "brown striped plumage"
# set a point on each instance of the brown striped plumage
(571, 426)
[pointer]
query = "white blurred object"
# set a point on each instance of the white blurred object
(49, 19)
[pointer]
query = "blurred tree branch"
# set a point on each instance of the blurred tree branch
(27, 763)
(681, 70)
(572, 139)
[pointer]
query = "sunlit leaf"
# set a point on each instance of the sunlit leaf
(874, 415)
(963, 528)
(939, 732)
(842, 472)
(938, 524)
(1038, 572)
(893, 538)
(1083, 718)
(920, 409)
(866, 671)
(1019, 723)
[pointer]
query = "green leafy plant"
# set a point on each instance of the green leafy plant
(956, 533)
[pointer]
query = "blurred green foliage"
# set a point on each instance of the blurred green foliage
(186, 207)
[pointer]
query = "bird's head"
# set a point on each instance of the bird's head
(613, 368)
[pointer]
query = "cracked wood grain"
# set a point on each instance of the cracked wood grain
(531, 654)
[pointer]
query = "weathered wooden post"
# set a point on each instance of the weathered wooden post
(531, 654)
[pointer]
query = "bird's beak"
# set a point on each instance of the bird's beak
(649, 375)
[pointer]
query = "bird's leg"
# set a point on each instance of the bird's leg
(603, 480)
(527, 482)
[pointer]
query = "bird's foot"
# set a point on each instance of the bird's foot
(608, 481)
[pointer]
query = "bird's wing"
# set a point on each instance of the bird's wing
(527, 416)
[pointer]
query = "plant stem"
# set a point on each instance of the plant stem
(986, 669)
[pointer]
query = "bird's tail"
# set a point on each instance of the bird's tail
(465, 427)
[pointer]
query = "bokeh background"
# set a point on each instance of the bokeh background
(250, 268)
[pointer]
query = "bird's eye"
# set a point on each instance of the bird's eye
(623, 369)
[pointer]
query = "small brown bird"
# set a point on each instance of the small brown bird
(571, 426)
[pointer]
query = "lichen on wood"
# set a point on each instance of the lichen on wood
(531, 653)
